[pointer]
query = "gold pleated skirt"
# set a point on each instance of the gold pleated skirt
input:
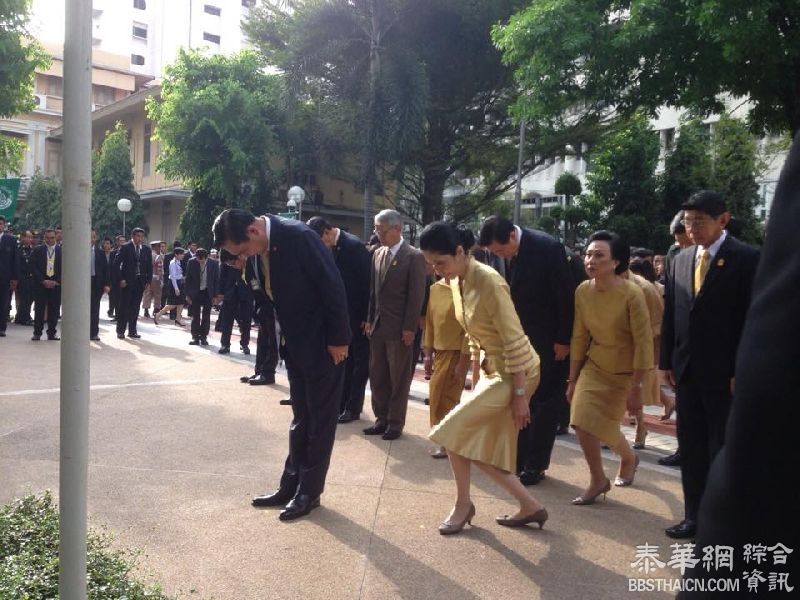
(600, 401)
(444, 391)
(482, 427)
(651, 389)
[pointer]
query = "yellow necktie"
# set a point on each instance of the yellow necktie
(702, 261)
(265, 267)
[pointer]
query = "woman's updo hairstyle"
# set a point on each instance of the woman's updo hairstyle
(440, 237)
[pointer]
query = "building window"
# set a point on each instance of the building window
(140, 31)
(210, 37)
(140, 4)
(137, 59)
(54, 86)
(146, 149)
(212, 10)
(248, 3)
(103, 95)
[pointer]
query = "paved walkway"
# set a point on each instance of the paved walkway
(178, 446)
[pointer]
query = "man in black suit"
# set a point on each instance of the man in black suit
(300, 276)
(752, 496)
(46, 269)
(237, 303)
(353, 261)
(202, 283)
(101, 283)
(543, 291)
(267, 343)
(25, 282)
(706, 300)
(9, 272)
(114, 294)
(134, 269)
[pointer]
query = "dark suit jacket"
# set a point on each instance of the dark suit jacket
(700, 336)
(102, 271)
(353, 261)
(395, 304)
(543, 291)
(39, 264)
(308, 293)
(228, 276)
(9, 261)
(125, 263)
(192, 278)
(752, 492)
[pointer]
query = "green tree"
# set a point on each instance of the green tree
(687, 167)
(112, 179)
(218, 121)
(42, 204)
(19, 57)
(577, 56)
(195, 223)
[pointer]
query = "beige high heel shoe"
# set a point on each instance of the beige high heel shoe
(447, 528)
(587, 499)
(539, 517)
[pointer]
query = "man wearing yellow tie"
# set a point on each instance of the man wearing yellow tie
(706, 301)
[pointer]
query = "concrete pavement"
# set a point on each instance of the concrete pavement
(178, 446)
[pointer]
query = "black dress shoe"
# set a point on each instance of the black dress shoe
(146, 313)
(347, 417)
(95, 338)
(299, 506)
(531, 477)
(245, 349)
(2, 334)
(277, 498)
(120, 336)
(685, 529)
(194, 342)
(391, 434)
(375, 430)
(673, 460)
(53, 338)
(244, 378)
(135, 336)
(564, 430)
(262, 380)
(36, 338)
(286, 402)
(224, 350)
(203, 342)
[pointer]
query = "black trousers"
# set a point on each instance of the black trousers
(5, 303)
(201, 315)
(130, 299)
(113, 300)
(356, 374)
(240, 311)
(94, 316)
(267, 344)
(24, 300)
(702, 416)
(46, 299)
(535, 443)
(315, 409)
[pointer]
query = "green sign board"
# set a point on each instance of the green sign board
(9, 190)
(288, 215)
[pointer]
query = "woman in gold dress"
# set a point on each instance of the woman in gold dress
(483, 429)
(610, 354)
(447, 358)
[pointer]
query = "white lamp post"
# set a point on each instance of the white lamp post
(124, 205)
(296, 195)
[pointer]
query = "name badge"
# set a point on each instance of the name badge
(255, 284)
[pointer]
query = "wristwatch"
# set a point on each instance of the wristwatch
(519, 391)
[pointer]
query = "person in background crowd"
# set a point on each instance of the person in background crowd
(152, 295)
(100, 283)
(611, 352)
(165, 289)
(213, 255)
(9, 273)
(134, 268)
(707, 297)
(202, 283)
(267, 343)
(24, 294)
(644, 254)
(59, 235)
(177, 295)
(237, 303)
(114, 295)
(46, 269)
(658, 265)
(483, 429)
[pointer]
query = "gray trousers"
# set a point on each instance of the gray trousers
(390, 377)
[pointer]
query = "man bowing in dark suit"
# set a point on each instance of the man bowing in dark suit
(543, 291)
(353, 261)
(134, 269)
(101, 283)
(299, 274)
(706, 300)
(202, 283)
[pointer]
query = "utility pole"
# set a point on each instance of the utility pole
(76, 220)
(520, 160)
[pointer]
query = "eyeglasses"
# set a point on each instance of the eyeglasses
(695, 223)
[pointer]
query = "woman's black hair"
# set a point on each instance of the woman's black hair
(644, 268)
(620, 251)
(440, 237)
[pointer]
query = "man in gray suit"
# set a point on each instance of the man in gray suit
(397, 290)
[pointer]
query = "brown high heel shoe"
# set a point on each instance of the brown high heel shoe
(586, 499)
(622, 482)
(539, 517)
(447, 528)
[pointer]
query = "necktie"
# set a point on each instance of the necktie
(387, 259)
(701, 265)
(265, 270)
(51, 261)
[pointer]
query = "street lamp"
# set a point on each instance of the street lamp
(296, 195)
(124, 205)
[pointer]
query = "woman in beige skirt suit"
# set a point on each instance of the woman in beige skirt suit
(483, 429)
(610, 354)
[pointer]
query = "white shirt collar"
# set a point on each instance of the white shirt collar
(336, 239)
(714, 248)
(396, 247)
(268, 229)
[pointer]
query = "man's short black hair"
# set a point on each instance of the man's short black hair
(201, 253)
(136, 230)
(3, 219)
(179, 250)
(495, 229)
(176, 244)
(620, 251)
(642, 253)
(706, 201)
(226, 256)
(319, 225)
(109, 240)
(231, 225)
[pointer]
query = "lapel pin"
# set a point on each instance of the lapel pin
(721, 262)
(394, 263)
